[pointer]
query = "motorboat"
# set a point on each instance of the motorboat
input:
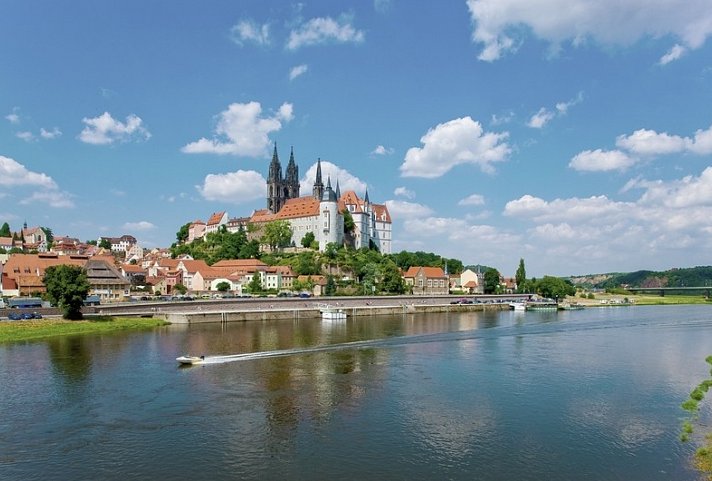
(190, 360)
(518, 306)
(331, 313)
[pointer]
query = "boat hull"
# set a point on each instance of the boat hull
(189, 360)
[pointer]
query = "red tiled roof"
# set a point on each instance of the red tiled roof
(299, 207)
(428, 272)
(381, 212)
(215, 218)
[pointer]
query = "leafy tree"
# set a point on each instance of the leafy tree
(392, 280)
(330, 288)
(67, 287)
(5, 230)
(521, 276)
(308, 239)
(2, 250)
(15, 250)
(180, 289)
(182, 234)
(49, 235)
(349, 224)
(223, 286)
(554, 288)
(105, 243)
(492, 285)
(277, 233)
(90, 242)
(255, 285)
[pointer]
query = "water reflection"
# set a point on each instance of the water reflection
(71, 361)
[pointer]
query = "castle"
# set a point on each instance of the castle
(321, 213)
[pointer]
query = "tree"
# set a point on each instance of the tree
(330, 288)
(180, 289)
(223, 286)
(308, 240)
(492, 285)
(521, 276)
(255, 285)
(105, 243)
(392, 281)
(48, 235)
(67, 287)
(277, 233)
(182, 234)
(554, 288)
(5, 230)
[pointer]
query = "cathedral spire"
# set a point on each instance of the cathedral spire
(318, 190)
(275, 169)
(365, 199)
(338, 191)
(291, 178)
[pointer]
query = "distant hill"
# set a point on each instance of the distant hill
(685, 277)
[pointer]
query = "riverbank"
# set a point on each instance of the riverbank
(607, 300)
(46, 328)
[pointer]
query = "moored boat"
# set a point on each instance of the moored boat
(542, 306)
(518, 306)
(574, 306)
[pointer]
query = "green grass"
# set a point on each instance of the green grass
(46, 328)
(647, 300)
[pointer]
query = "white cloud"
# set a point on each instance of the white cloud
(649, 142)
(502, 119)
(242, 131)
(459, 141)
(234, 187)
(347, 181)
(544, 116)
(601, 160)
(573, 209)
(50, 134)
(13, 173)
(433, 226)
(381, 150)
(53, 198)
(673, 54)
(541, 118)
(324, 30)
(404, 192)
(499, 25)
(138, 226)
(14, 117)
(104, 129)
(26, 136)
(297, 71)
(248, 30)
(685, 193)
(407, 210)
(474, 199)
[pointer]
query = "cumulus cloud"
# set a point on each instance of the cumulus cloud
(601, 160)
(13, 173)
(649, 142)
(381, 150)
(138, 226)
(324, 30)
(403, 192)
(234, 187)
(539, 210)
(407, 210)
(673, 54)
(544, 115)
(347, 181)
(297, 71)
(25, 135)
(249, 31)
(50, 134)
(104, 129)
(500, 25)
(13, 117)
(53, 198)
(242, 130)
(474, 199)
(459, 141)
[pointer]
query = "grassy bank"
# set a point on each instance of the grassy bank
(640, 300)
(45, 328)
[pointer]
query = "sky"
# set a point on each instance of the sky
(576, 135)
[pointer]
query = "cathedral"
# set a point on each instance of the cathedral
(322, 212)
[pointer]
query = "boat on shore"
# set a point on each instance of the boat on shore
(190, 360)
(331, 313)
(573, 306)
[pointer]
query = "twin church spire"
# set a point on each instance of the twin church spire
(280, 189)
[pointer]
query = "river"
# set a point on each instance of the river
(589, 395)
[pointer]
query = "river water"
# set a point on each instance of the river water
(576, 395)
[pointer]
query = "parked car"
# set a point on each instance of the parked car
(36, 315)
(27, 315)
(304, 295)
(14, 316)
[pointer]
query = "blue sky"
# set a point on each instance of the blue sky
(577, 135)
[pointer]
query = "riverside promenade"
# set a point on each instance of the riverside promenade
(263, 309)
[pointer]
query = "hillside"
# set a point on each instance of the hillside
(684, 277)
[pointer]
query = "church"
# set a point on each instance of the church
(322, 212)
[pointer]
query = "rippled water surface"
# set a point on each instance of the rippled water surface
(590, 395)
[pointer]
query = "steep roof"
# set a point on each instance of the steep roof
(101, 272)
(306, 206)
(381, 213)
(215, 218)
(428, 272)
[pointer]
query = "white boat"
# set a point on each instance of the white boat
(331, 313)
(518, 306)
(190, 360)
